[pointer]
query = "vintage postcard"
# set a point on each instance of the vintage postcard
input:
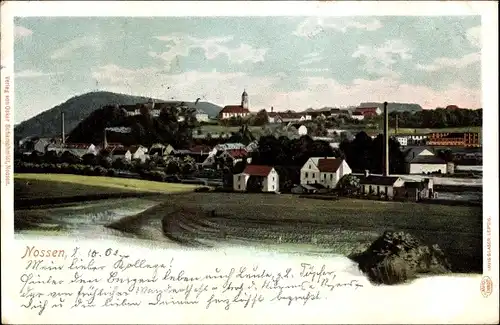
(249, 162)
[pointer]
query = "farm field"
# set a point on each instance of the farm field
(338, 226)
(58, 185)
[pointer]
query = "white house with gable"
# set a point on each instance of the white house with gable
(326, 171)
(266, 178)
(424, 161)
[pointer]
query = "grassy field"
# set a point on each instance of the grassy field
(59, 185)
(341, 226)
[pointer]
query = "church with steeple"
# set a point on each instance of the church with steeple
(241, 110)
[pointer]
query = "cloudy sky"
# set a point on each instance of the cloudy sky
(284, 62)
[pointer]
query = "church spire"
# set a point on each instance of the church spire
(244, 99)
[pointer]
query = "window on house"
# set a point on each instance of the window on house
(313, 175)
(239, 187)
(273, 187)
(309, 166)
(331, 176)
(385, 190)
(307, 175)
(324, 176)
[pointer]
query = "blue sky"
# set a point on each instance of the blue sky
(284, 62)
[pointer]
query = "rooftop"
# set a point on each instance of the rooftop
(329, 165)
(234, 109)
(379, 180)
(425, 159)
(257, 170)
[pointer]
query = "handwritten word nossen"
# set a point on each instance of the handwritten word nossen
(55, 279)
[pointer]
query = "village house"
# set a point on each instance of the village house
(357, 116)
(411, 139)
(200, 153)
(368, 111)
(326, 171)
(121, 153)
(218, 150)
(265, 177)
(160, 150)
(139, 153)
(131, 153)
(41, 145)
(423, 161)
(380, 185)
(201, 116)
(234, 155)
(415, 190)
(455, 139)
(76, 149)
(241, 110)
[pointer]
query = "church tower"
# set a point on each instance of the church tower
(244, 99)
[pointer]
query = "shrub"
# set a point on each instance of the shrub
(100, 171)
(202, 189)
(381, 261)
(390, 270)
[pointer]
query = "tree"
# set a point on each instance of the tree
(89, 159)
(349, 184)
(261, 118)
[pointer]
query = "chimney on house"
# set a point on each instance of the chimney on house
(63, 135)
(386, 142)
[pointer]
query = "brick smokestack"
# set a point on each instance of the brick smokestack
(63, 135)
(386, 142)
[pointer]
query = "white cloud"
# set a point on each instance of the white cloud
(311, 58)
(458, 63)
(474, 36)
(379, 60)
(34, 74)
(181, 45)
(321, 92)
(314, 69)
(312, 26)
(220, 88)
(75, 44)
(20, 32)
(226, 88)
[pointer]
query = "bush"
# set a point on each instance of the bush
(202, 189)
(391, 270)
(100, 171)
(381, 261)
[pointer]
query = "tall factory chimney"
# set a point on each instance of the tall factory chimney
(105, 141)
(63, 135)
(385, 164)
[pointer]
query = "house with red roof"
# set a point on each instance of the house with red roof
(257, 178)
(367, 111)
(241, 110)
(326, 171)
(235, 155)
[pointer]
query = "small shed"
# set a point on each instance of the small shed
(304, 188)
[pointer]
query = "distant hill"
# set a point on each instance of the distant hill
(394, 107)
(76, 109)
